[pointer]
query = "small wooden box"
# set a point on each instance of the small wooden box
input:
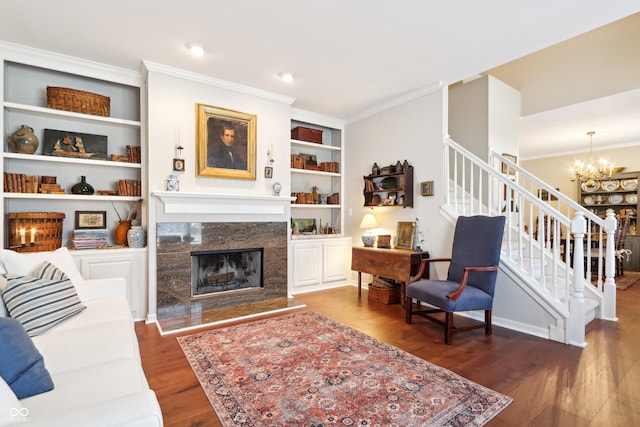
(307, 134)
(384, 241)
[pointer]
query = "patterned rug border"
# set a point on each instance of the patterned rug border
(214, 385)
(629, 279)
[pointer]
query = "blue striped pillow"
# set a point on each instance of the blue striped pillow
(42, 301)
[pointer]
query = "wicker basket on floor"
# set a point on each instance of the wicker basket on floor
(47, 226)
(384, 291)
(78, 101)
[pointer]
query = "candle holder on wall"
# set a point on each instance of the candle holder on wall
(178, 163)
(268, 170)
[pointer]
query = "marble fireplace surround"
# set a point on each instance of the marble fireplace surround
(218, 222)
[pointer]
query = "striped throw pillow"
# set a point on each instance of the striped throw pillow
(42, 301)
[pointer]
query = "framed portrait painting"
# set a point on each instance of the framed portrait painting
(225, 143)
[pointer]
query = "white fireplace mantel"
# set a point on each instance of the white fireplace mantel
(176, 202)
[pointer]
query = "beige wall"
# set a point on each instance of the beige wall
(555, 170)
(411, 131)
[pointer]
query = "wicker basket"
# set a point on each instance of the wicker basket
(48, 230)
(383, 291)
(78, 101)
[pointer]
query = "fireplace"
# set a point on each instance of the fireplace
(225, 271)
(232, 243)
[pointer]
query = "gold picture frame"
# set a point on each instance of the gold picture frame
(225, 143)
(405, 234)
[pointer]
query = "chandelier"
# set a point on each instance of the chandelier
(592, 171)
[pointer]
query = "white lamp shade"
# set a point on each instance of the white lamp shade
(369, 221)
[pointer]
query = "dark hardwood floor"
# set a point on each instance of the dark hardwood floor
(552, 384)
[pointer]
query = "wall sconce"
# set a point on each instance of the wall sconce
(368, 222)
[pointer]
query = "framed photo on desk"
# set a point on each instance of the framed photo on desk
(405, 234)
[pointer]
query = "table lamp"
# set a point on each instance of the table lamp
(368, 222)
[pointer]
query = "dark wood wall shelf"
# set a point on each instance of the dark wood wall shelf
(389, 189)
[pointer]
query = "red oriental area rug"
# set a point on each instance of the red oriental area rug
(305, 369)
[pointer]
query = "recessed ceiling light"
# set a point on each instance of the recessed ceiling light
(196, 49)
(286, 76)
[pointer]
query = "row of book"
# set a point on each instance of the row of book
(86, 239)
(22, 183)
(129, 187)
(132, 156)
(396, 182)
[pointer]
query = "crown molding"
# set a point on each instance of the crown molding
(432, 88)
(211, 81)
(69, 64)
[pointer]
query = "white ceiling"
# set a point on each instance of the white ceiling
(349, 57)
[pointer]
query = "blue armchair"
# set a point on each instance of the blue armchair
(471, 279)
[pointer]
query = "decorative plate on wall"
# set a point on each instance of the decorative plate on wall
(589, 200)
(630, 184)
(590, 186)
(631, 198)
(389, 183)
(611, 185)
(615, 199)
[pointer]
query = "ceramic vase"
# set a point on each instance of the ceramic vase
(136, 237)
(276, 188)
(83, 187)
(24, 141)
(121, 232)
(173, 184)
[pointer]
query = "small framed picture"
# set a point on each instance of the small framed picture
(426, 188)
(91, 220)
(405, 235)
(268, 172)
(178, 165)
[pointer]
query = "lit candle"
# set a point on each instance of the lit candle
(33, 236)
(22, 236)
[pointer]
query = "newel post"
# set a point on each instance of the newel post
(609, 288)
(576, 303)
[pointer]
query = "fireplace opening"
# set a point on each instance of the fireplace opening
(225, 270)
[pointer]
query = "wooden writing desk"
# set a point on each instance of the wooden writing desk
(396, 264)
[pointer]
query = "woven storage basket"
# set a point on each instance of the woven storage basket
(383, 291)
(78, 101)
(48, 226)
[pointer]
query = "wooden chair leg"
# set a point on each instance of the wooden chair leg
(448, 327)
(487, 320)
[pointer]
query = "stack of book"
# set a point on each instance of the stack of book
(85, 239)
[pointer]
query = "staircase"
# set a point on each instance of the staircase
(544, 253)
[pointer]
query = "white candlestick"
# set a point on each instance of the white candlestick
(33, 236)
(22, 236)
(271, 153)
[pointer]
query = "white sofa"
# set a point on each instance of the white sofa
(93, 357)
